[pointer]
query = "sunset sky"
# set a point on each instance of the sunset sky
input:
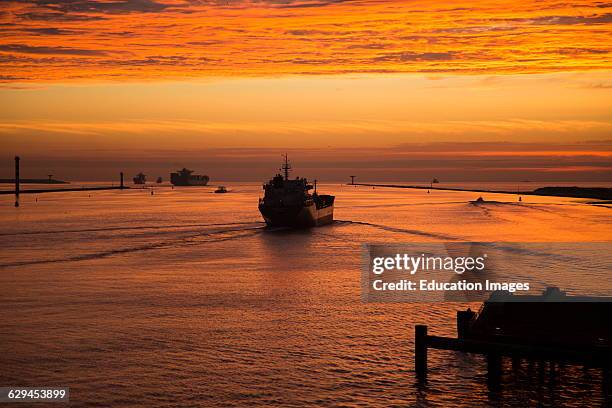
(395, 90)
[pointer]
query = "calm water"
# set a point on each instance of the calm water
(184, 299)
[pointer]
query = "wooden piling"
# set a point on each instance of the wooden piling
(606, 383)
(496, 349)
(494, 370)
(516, 363)
(464, 321)
(420, 355)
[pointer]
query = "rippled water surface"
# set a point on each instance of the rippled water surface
(183, 298)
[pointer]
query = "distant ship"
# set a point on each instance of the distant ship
(221, 190)
(288, 203)
(159, 180)
(185, 177)
(140, 178)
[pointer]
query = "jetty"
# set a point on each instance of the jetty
(34, 181)
(62, 190)
(553, 328)
(17, 180)
(599, 193)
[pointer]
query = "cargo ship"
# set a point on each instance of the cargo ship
(289, 203)
(185, 177)
(140, 178)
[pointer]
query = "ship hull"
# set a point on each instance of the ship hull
(190, 183)
(297, 216)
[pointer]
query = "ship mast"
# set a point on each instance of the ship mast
(286, 167)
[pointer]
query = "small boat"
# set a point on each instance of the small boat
(481, 200)
(159, 180)
(221, 189)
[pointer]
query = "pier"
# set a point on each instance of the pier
(18, 191)
(62, 190)
(33, 181)
(599, 193)
(596, 356)
(539, 329)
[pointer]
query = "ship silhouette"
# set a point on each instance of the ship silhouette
(140, 178)
(289, 203)
(184, 177)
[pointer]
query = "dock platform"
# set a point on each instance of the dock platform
(578, 332)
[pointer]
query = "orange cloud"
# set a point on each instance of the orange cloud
(60, 40)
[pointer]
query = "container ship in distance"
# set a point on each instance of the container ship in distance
(185, 177)
(140, 178)
(288, 203)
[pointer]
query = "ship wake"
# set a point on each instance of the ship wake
(238, 231)
(138, 228)
(400, 230)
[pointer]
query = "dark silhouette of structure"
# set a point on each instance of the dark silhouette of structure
(17, 181)
(599, 193)
(140, 178)
(286, 167)
(185, 177)
(121, 181)
(289, 203)
(352, 179)
(552, 327)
